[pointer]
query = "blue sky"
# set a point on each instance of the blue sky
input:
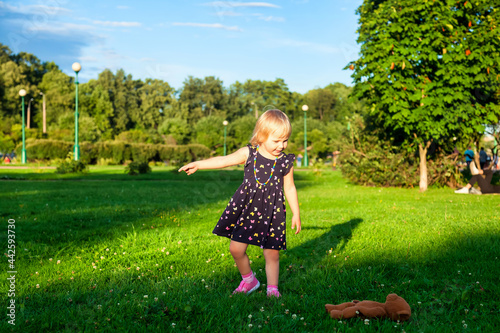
(306, 43)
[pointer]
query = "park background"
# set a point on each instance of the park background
(112, 251)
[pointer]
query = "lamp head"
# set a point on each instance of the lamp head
(22, 92)
(225, 123)
(305, 107)
(76, 67)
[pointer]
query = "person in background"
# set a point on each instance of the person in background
(483, 157)
(469, 155)
(483, 179)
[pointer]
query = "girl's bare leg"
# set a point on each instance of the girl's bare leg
(239, 252)
(272, 266)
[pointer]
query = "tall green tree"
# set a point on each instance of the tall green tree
(154, 96)
(321, 102)
(429, 69)
(59, 93)
(96, 104)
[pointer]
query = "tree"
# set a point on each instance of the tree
(95, 103)
(154, 95)
(429, 70)
(59, 93)
(321, 103)
(176, 128)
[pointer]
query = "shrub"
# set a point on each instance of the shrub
(135, 168)
(45, 149)
(143, 152)
(375, 162)
(69, 165)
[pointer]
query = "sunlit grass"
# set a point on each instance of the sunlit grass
(110, 251)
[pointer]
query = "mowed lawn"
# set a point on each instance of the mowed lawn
(110, 252)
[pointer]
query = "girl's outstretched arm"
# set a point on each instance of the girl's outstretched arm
(238, 157)
(293, 201)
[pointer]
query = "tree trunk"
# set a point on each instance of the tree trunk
(422, 152)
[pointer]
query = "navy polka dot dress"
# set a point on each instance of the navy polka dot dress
(256, 213)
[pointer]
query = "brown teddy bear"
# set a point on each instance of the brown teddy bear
(395, 308)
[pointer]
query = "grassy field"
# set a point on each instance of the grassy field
(106, 251)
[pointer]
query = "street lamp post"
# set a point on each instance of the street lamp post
(225, 130)
(256, 110)
(44, 119)
(305, 108)
(28, 117)
(22, 93)
(76, 67)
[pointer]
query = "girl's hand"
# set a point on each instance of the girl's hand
(296, 223)
(189, 168)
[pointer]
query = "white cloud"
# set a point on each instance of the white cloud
(117, 24)
(60, 28)
(241, 4)
(35, 9)
(207, 25)
(227, 13)
(309, 46)
(270, 18)
(122, 7)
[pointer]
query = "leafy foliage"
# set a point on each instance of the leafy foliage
(117, 112)
(136, 168)
(369, 160)
(429, 70)
(69, 165)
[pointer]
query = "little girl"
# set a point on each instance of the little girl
(256, 213)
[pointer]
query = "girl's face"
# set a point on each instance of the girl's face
(275, 144)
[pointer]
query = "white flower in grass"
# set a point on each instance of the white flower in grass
(357, 312)
(38, 286)
(367, 321)
(99, 306)
(340, 321)
(294, 316)
(138, 268)
(107, 249)
(50, 259)
(145, 296)
(156, 299)
(173, 325)
(58, 262)
(262, 309)
(465, 325)
(301, 318)
(250, 325)
(164, 293)
(287, 311)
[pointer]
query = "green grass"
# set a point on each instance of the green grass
(89, 248)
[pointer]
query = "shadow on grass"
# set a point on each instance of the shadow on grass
(336, 237)
(88, 210)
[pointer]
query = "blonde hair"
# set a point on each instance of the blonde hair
(271, 121)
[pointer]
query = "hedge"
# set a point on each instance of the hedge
(117, 151)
